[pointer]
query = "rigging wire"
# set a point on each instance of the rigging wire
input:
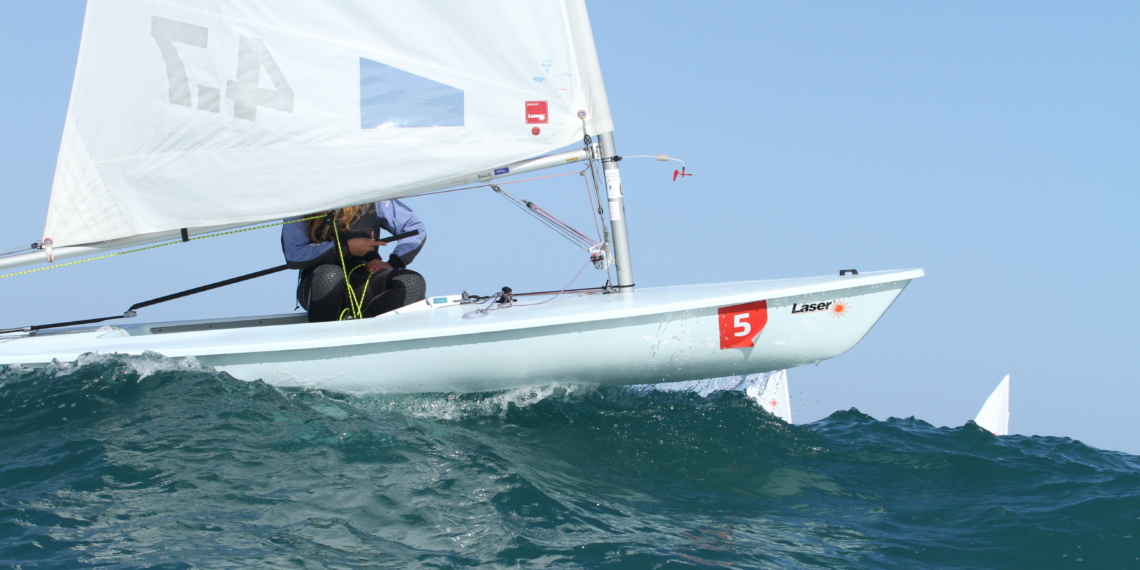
(506, 298)
(556, 295)
(599, 253)
(19, 250)
(562, 228)
(590, 197)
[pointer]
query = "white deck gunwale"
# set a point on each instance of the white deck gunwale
(380, 330)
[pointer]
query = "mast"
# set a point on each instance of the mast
(617, 213)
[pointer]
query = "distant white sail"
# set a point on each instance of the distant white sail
(773, 395)
(995, 413)
(211, 113)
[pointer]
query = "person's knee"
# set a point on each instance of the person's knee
(328, 270)
(326, 280)
(414, 285)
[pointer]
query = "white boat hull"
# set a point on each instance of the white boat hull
(654, 335)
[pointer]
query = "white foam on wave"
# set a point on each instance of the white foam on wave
(706, 386)
(768, 389)
(452, 407)
(146, 364)
(11, 371)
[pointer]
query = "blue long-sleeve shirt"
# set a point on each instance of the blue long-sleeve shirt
(391, 215)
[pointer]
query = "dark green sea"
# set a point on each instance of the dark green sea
(144, 462)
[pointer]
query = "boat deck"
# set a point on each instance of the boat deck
(287, 332)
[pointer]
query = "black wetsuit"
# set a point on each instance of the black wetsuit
(321, 288)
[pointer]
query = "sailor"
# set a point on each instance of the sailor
(379, 286)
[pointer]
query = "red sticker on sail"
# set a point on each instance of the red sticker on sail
(739, 324)
(536, 113)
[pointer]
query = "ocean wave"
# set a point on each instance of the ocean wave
(129, 462)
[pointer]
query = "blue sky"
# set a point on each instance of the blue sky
(996, 145)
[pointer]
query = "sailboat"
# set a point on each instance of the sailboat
(994, 415)
(192, 118)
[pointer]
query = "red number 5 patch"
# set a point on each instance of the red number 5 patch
(739, 324)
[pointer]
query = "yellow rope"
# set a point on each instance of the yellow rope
(358, 305)
(363, 290)
(355, 305)
(156, 246)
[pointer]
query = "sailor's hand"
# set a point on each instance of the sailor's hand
(358, 247)
(376, 266)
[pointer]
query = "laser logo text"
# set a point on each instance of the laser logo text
(811, 307)
(836, 308)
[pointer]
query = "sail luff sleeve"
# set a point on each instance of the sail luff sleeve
(596, 104)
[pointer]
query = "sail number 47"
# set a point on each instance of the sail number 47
(739, 324)
(247, 96)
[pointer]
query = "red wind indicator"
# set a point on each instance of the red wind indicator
(680, 173)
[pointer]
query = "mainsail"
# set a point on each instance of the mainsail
(213, 113)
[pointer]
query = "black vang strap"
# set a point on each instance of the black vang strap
(131, 312)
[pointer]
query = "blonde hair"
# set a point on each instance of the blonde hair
(319, 229)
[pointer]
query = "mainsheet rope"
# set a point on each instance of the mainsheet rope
(355, 305)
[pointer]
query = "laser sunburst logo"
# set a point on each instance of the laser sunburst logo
(839, 308)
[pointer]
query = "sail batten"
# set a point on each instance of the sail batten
(204, 113)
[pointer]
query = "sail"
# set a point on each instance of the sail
(214, 113)
(772, 394)
(994, 415)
